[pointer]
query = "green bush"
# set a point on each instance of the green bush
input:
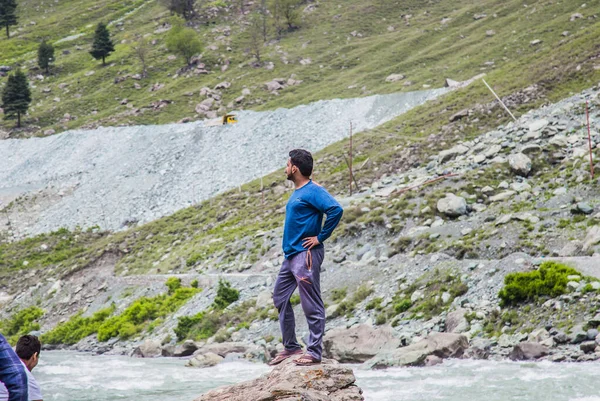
(226, 295)
(76, 328)
(142, 314)
(549, 280)
(173, 283)
(374, 304)
(194, 283)
(144, 310)
(402, 306)
(295, 299)
(338, 294)
(21, 323)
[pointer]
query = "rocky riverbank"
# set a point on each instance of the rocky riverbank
(421, 252)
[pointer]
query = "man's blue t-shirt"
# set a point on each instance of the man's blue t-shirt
(304, 217)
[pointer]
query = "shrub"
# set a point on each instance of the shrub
(380, 319)
(194, 283)
(549, 280)
(142, 314)
(374, 304)
(21, 323)
(402, 306)
(295, 299)
(173, 283)
(338, 294)
(226, 295)
(76, 328)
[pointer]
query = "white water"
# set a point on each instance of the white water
(81, 377)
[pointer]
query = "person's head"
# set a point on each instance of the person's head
(28, 350)
(299, 165)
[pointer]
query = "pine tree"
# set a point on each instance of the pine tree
(16, 96)
(45, 56)
(8, 14)
(102, 46)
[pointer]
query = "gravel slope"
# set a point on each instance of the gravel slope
(111, 176)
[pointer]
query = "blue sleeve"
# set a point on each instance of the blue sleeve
(326, 203)
(12, 373)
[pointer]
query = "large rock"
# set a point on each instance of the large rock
(526, 351)
(264, 300)
(186, 349)
(442, 345)
(520, 164)
(148, 349)
(358, 343)
(328, 381)
(452, 205)
(456, 322)
(204, 360)
(592, 238)
(451, 153)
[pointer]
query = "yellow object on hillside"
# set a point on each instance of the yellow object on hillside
(227, 119)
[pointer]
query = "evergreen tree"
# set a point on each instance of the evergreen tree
(16, 96)
(184, 8)
(8, 14)
(102, 46)
(45, 56)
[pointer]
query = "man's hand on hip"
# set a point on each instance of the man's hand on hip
(310, 242)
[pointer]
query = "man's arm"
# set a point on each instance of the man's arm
(326, 203)
(12, 372)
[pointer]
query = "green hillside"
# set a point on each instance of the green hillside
(439, 40)
(341, 49)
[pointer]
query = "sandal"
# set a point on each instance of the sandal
(307, 360)
(282, 356)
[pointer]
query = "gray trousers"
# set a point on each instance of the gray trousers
(295, 273)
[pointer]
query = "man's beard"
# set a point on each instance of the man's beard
(290, 177)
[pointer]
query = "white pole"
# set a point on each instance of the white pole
(501, 102)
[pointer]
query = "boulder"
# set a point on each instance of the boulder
(451, 153)
(264, 300)
(456, 322)
(592, 238)
(186, 349)
(520, 164)
(459, 115)
(148, 349)
(204, 360)
(526, 351)
(359, 343)
(328, 381)
(394, 78)
(537, 336)
(588, 346)
(223, 85)
(442, 345)
(273, 86)
(452, 205)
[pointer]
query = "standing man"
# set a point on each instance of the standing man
(12, 373)
(303, 237)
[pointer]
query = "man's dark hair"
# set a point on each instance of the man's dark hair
(27, 346)
(303, 160)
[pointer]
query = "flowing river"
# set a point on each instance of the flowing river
(67, 376)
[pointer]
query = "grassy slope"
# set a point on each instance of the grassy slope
(205, 233)
(425, 50)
